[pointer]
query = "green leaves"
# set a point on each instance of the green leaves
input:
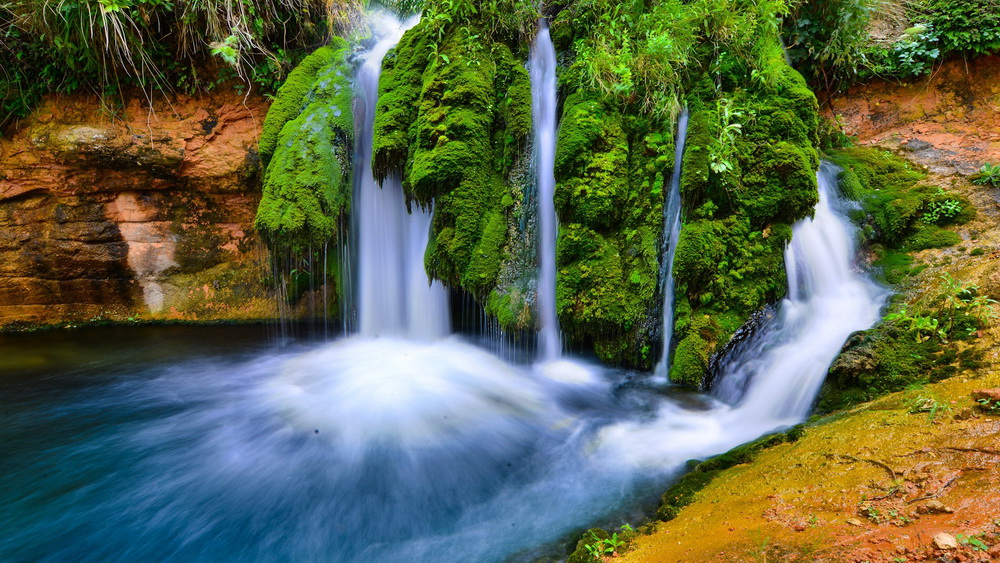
(227, 49)
(988, 175)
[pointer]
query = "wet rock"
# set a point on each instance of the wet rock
(915, 144)
(139, 215)
(945, 540)
(965, 414)
(937, 507)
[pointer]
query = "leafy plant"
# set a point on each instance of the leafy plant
(721, 152)
(927, 404)
(963, 306)
(988, 175)
(989, 406)
(942, 210)
(923, 327)
(966, 26)
(971, 541)
(915, 53)
(598, 548)
(826, 39)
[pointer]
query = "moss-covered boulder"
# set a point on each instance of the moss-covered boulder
(609, 199)
(739, 205)
(288, 103)
(307, 181)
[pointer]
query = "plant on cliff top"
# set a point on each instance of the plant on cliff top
(108, 46)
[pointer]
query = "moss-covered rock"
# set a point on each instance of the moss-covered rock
(609, 196)
(454, 114)
(900, 214)
(307, 183)
(291, 98)
(749, 171)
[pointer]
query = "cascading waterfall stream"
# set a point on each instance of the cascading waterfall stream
(776, 374)
(395, 296)
(671, 232)
(772, 379)
(543, 105)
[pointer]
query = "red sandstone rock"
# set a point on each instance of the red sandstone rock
(121, 217)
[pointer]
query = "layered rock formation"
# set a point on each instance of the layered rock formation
(132, 213)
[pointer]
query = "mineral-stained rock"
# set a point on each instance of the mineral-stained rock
(138, 215)
(991, 395)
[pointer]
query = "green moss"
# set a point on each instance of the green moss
(887, 358)
(895, 202)
(452, 125)
(291, 96)
(931, 237)
(307, 183)
(609, 198)
(683, 492)
(730, 255)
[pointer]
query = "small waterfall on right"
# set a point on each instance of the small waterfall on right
(774, 376)
(671, 232)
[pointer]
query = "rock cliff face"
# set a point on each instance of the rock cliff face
(132, 213)
(947, 121)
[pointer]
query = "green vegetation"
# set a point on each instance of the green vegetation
(454, 116)
(900, 214)
(110, 46)
(830, 42)
(988, 175)
(749, 170)
(596, 544)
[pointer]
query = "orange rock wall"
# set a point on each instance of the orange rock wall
(138, 213)
(954, 111)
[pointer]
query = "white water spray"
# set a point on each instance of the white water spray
(671, 232)
(395, 295)
(543, 106)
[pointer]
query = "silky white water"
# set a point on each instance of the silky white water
(395, 296)
(778, 372)
(671, 232)
(542, 66)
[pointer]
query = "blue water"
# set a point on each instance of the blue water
(213, 444)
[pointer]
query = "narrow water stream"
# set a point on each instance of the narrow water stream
(543, 103)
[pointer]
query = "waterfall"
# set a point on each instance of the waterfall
(395, 296)
(775, 375)
(671, 231)
(543, 106)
